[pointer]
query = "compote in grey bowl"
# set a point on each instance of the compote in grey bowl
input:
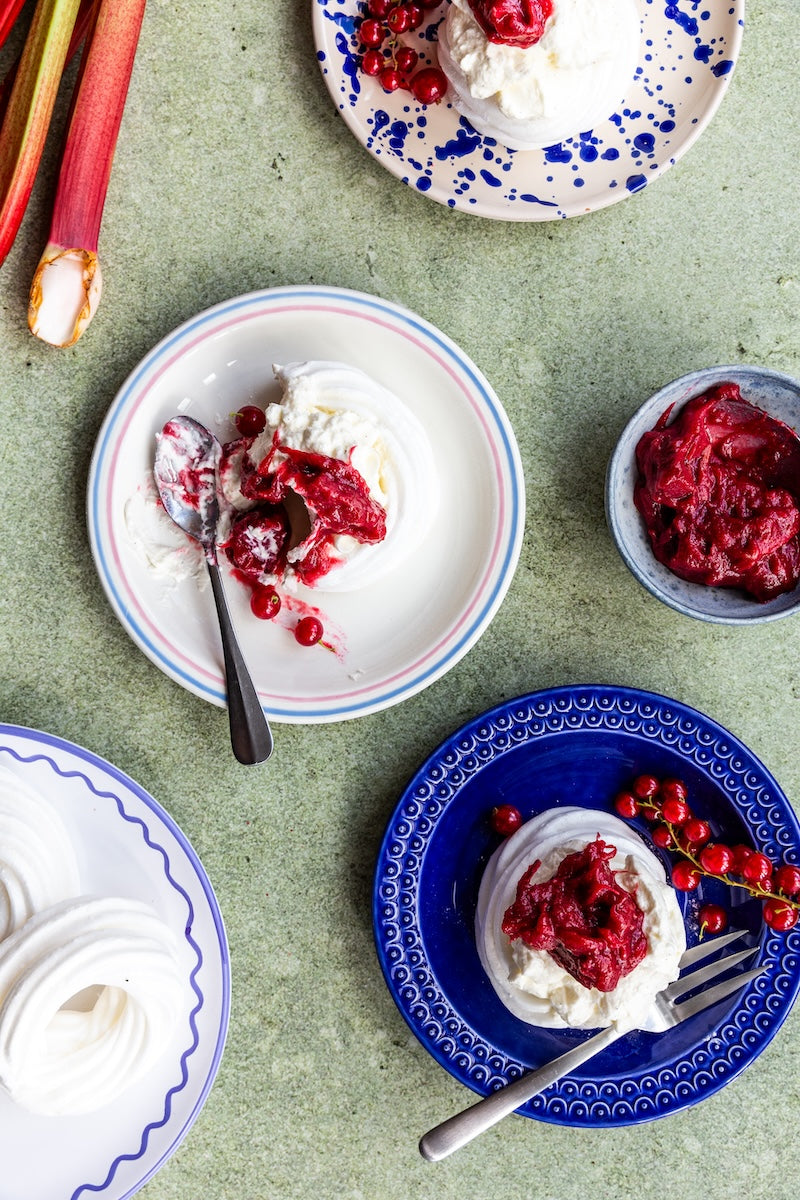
(779, 395)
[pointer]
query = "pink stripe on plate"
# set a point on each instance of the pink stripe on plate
(168, 647)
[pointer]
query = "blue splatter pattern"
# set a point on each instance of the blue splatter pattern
(688, 52)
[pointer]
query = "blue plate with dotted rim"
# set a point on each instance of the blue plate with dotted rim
(688, 52)
(574, 745)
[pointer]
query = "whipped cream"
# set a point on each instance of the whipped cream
(575, 76)
(37, 862)
(334, 409)
(530, 983)
(90, 990)
(164, 549)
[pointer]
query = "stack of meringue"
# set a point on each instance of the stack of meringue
(90, 986)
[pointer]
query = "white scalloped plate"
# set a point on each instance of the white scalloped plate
(127, 845)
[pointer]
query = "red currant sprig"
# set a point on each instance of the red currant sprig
(379, 31)
(665, 803)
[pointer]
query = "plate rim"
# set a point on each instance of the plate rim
(510, 479)
(554, 1107)
(42, 744)
(542, 213)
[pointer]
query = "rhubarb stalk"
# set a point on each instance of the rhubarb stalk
(9, 11)
(30, 107)
(67, 284)
(85, 15)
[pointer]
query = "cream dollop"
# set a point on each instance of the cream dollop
(37, 861)
(334, 409)
(575, 76)
(531, 983)
(90, 990)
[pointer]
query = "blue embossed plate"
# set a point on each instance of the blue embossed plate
(573, 745)
(688, 53)
(127, 845)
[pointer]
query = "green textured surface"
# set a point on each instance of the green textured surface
(235, 172)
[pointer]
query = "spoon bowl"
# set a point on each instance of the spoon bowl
(185, 470)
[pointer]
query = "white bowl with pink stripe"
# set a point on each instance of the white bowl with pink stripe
(395, 636)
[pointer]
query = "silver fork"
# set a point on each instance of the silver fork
(456, 1131)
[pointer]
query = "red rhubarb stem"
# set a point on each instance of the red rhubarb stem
(67, 283)
(9, 11)
(99, 101)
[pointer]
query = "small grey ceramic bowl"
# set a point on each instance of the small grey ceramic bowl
(777, 394)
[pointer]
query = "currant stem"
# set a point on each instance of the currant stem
(755, 890)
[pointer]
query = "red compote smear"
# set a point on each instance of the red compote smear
(512, 22)
(718, 492)
(581, 916)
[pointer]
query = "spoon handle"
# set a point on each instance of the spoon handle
(251, 736)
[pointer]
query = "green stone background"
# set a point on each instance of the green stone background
(235, 172)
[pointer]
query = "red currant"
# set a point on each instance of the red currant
(673, 789)
(371, 32)
(787, 879)
(406, 59)
(380, 8)
(645, 786)
(415, 15)
(676, 811)
(662, 837)
(429, 85)
(265, 602)
(399, 19)
(373, 62)
(780, 915)
(757, 868)
(506, 819)
(626, 804)
(712, 918)
(390, 79)
(685, 876)
(696, 832)
(716, 858)
(250, 420)
(740, 857)
(308, 631)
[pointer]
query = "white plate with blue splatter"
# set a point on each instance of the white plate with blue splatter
(688, 51)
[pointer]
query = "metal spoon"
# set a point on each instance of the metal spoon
(185, 472)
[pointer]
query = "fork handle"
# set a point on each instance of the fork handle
(456, 1131)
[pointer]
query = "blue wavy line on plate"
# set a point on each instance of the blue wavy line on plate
(427, 332)
(143, 796)
(659, 724)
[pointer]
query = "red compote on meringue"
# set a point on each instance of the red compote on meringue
(576, 924)
(718, 491)
(512, 22)
(581, 916)
(336, 499)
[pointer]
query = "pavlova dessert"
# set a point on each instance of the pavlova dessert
(576, 924)
(330, 486)
(531, 73)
